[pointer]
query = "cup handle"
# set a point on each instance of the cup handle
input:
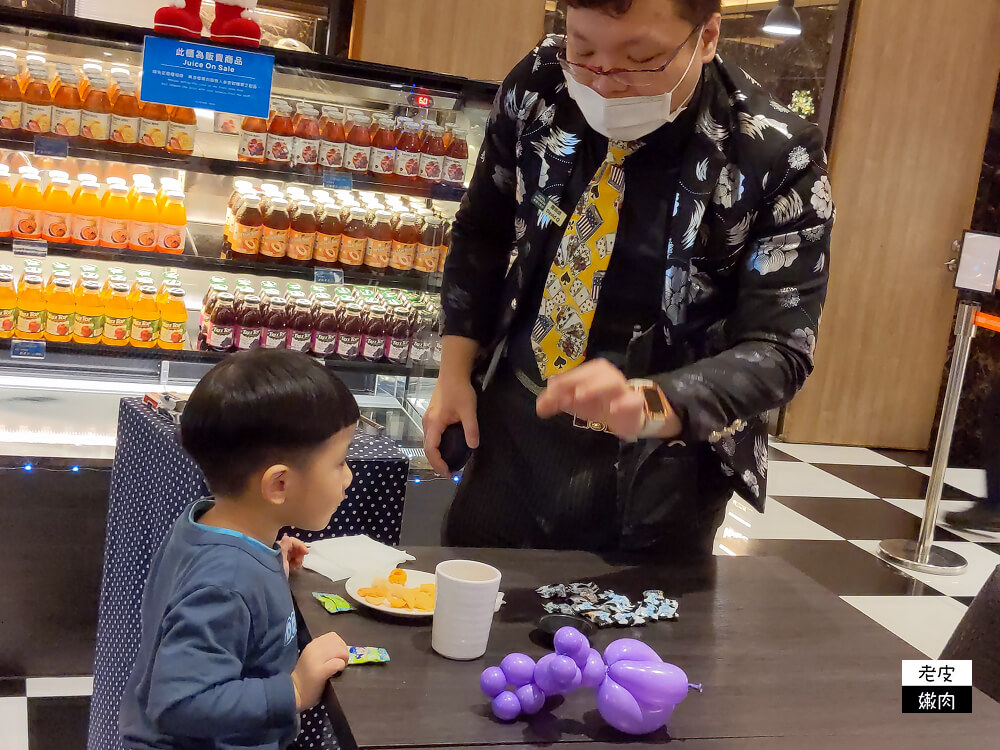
(500, 602)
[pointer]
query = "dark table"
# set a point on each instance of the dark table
(785, 665)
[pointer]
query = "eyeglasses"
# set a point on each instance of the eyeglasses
(624, 76)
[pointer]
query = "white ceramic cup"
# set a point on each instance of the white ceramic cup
(463, 608)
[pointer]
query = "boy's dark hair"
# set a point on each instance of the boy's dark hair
(262, 407)
(693, 11)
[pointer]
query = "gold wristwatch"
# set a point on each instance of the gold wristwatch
(654, 408)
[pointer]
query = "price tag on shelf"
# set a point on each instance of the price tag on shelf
(188, 74)
(25, 349)
(328, 276)
(48, 146)
(338, 180)
(31, 248)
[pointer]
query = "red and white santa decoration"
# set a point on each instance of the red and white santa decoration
(235, 21)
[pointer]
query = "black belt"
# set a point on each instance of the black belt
(532, 387)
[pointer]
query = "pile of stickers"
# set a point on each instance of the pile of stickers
(607, 608)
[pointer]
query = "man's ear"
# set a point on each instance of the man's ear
(710, 36)
(273, 484)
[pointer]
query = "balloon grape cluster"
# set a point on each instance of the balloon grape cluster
(637, 691)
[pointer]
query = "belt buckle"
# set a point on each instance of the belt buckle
(583, 424)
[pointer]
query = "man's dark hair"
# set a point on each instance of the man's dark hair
(262, 407)
(693, 11)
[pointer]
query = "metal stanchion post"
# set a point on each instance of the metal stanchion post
(922, 555)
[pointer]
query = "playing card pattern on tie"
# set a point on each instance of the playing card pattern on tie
(559, 337)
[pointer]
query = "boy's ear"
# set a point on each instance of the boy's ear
(273, 483)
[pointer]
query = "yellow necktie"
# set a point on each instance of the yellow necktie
(559, 337)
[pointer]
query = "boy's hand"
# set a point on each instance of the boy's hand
(319, 661)
(293, 551)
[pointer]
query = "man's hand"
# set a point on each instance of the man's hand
(454, 401)
(597, 391)
(293, 552)
(319, 661)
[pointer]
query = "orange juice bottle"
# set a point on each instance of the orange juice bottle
(183, 126)
(67, 106)
(28, 206)
(171, 280)
(154, 125)
(140, 181)
(86, 278)
(173, 317)
(6, 202)
(36, 116)
(8, 305)
(167, 185)
(144, 225)
(95, 123)
(88, 322)
(117, 317)
(57, 212)
(11, 99)
(142, 278)
(82, 179)
(56, 276)
(173, 225)
(113, 182)
(30, 309)
(144, 330)
(86, 229)
(125, 116)
(32, 267)
(110, 283)
(115, 218)
(60, 306)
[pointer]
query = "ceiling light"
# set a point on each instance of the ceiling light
(784, 20)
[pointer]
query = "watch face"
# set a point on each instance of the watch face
(654, 404)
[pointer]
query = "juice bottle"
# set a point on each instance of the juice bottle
(117, 317)
(30, 309)
(143, 331)
(27, 217)
(11, 99)
(384, 148)
(425, 129)
(305, 152)
(57, 214)
(456, 158)
(32, 267)
(404, 245)
(302, 234)
(253, 140)
(249, 321)
(172, 226)
(86, 216)
(280, 136)
(60, 306)
(95, 122)
(398, 336)
(154, 123)
(170, 280)
(328, 234)
(82, 179)
(432, 154)
(449, 134)
(379, 244)
(325, 327)
(173, 320)
(407, 159)
(142, 278)
(88, 320)
(429, 248)
(6, 202)
(140, 181)
(167, 185)
(352, 328)
(115, 218)
(331, 147)
(300, 326)
(113, 182)
(222, 324)
(67, 106)
(8, 305)
(358, 150)
(83, 279)
(36, 116)
(182, 130)
(125, 116)
(247, 231)
(60, 273)
(373, 342)
(354, 241)
(274, 232)
(274, 327)
(145, 221)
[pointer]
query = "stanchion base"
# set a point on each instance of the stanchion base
(940, 561)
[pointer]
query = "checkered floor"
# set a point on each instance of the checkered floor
(828, 509)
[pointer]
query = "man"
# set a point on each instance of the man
(637, 276)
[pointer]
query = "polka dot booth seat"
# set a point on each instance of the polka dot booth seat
(153, 480)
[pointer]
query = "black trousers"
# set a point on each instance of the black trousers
(546, 484)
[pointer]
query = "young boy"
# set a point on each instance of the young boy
(218, 665)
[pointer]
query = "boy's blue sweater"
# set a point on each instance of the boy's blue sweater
(218, 645)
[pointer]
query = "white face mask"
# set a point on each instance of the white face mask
(630, 117)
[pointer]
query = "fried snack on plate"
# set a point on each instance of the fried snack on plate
(392, 592)
(398, 576)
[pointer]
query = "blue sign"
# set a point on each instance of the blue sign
(31, 248)
(24, 349)
(338, 180)
(187, 74)
(328, 276)
(46, 146)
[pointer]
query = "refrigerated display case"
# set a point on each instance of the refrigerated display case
(171, 353)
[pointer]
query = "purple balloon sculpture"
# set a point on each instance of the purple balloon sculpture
(637, 691)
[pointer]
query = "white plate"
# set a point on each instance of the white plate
(413, 578)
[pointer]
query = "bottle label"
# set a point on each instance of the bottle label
(383, 160)
(299, 341)
(55, 226)
(37, 118)
(88, 326)
(301, 245)
(421, 350)
(454, 170)
(331, 154)
(327, 248)
(6, 219)
(349, 345)
(170, 238)
(30, 321)
(374, 348)
(403, 255)
(66, 121)
(253, 145)
(397, 349)
(172, 332)
(352, 250)
(305, 152)
(116, 328)
(59, 324)
(407, 163)
(431, 166)
(143, 330)
(324, 343)
(436, 357)
(114, 232)
(124, 129)
(246, 240)
(275, 338)
(273, 242)
(153, 133)
(85, 230)
(357, 158)
(10, 115)
(377, 253)
(142, 234)
(279, 148)
(8, 316)
(249, 338)
(426, 260)
(220, 337)
(181, 137)
(95, 125)
(443, 257)
(26, 222)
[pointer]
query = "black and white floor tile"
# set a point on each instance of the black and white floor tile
(828, 509)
